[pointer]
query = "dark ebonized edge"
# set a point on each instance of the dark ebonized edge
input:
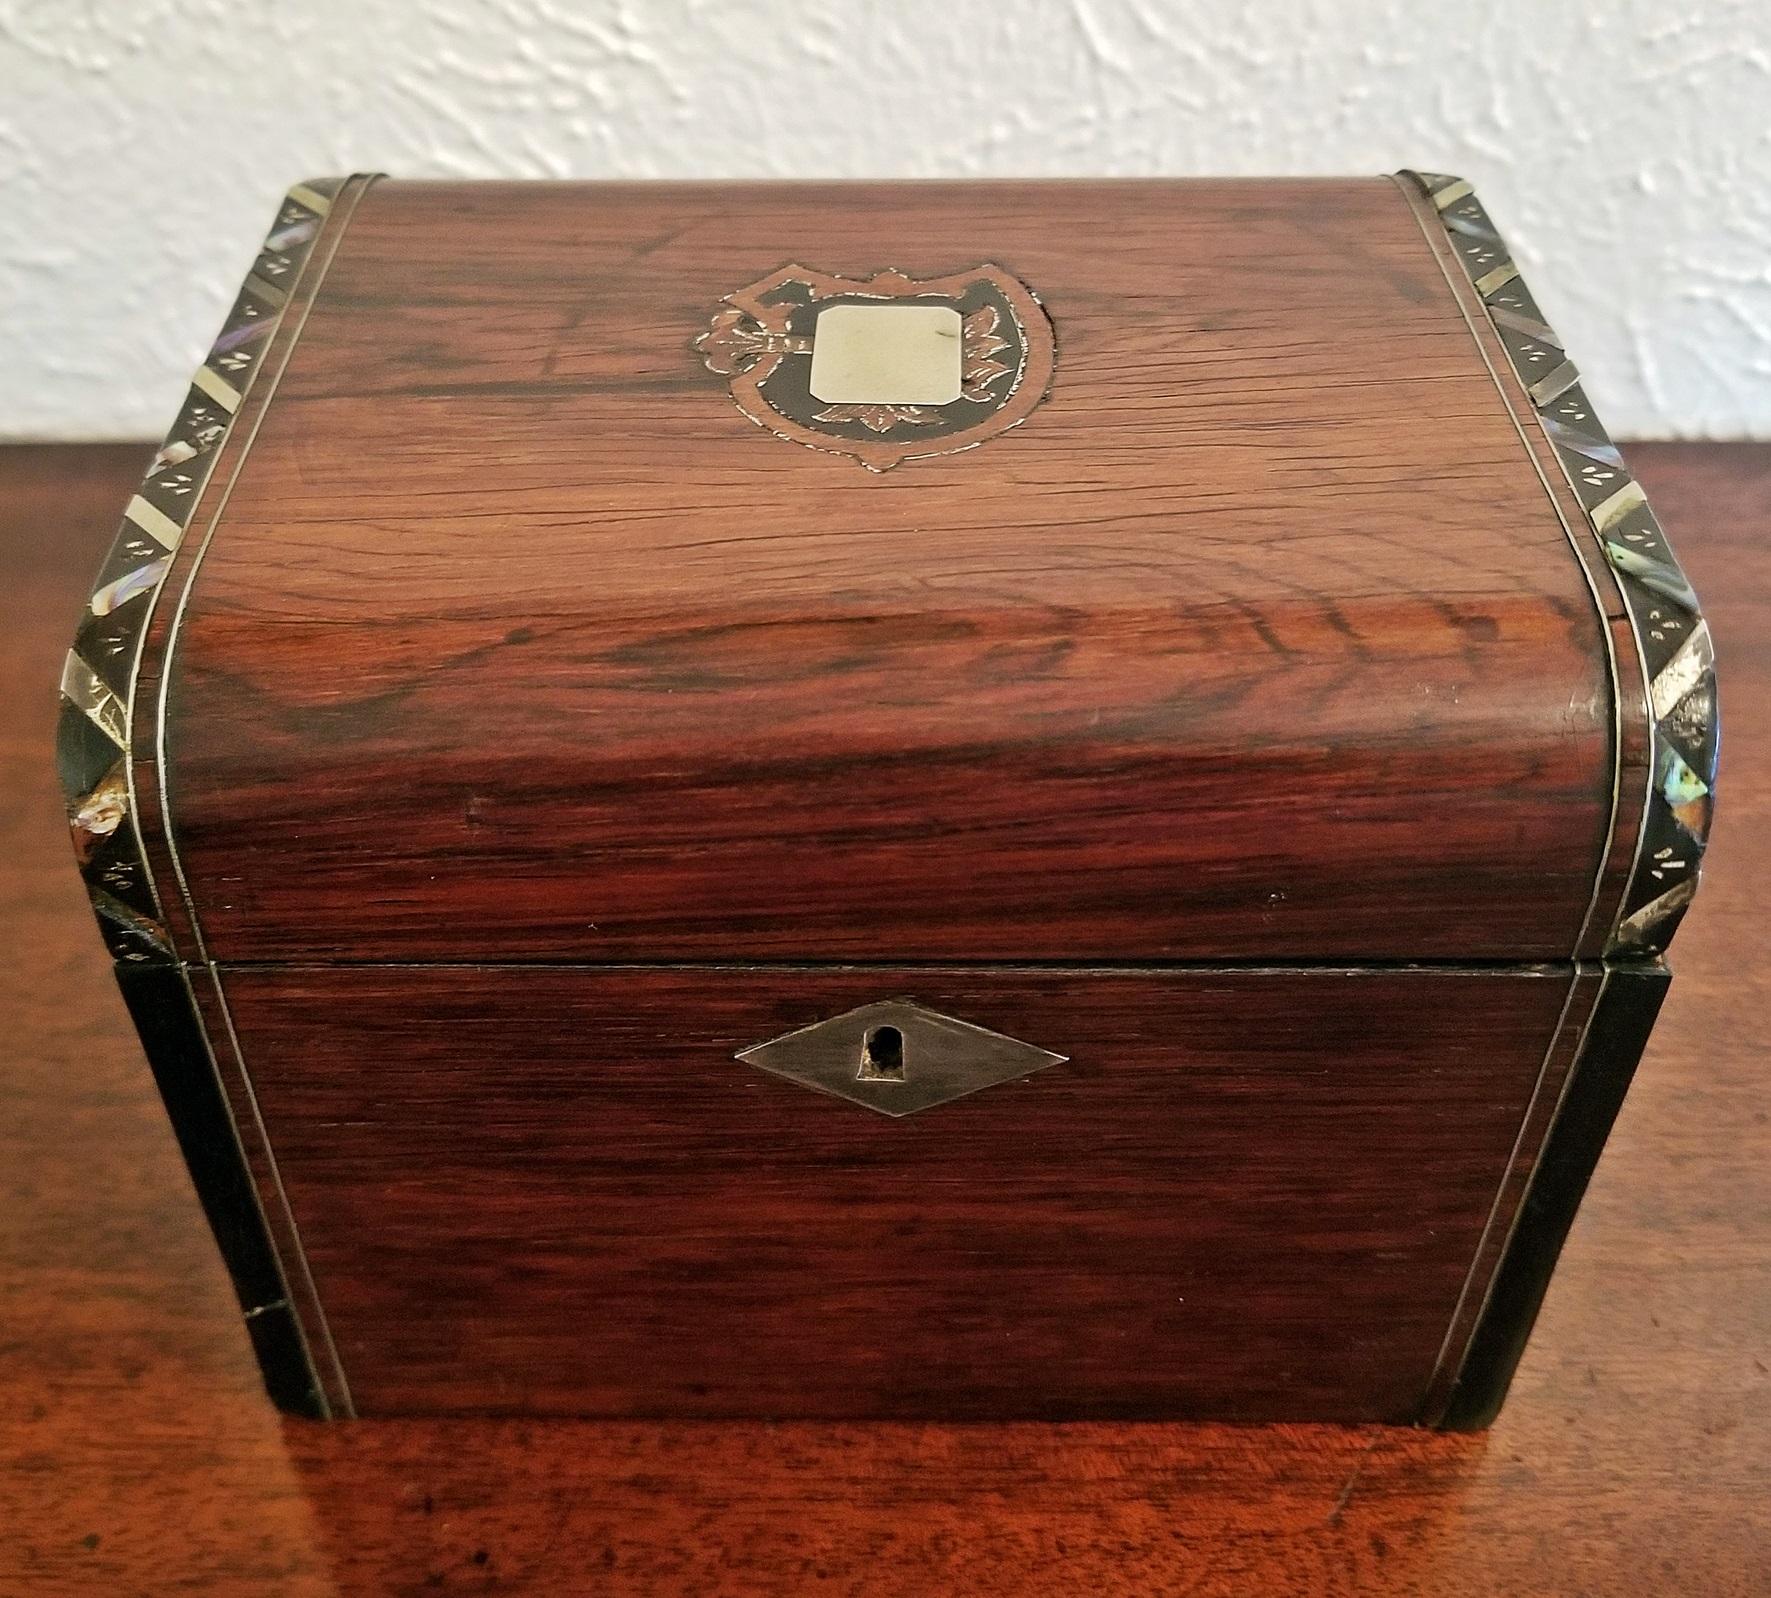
(160, 1004)
(1616, 1037)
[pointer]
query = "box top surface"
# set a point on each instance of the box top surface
(1263, 632)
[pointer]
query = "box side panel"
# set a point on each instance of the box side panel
(1243, 1194)
(1258, 638)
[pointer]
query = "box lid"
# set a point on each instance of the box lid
(520, 596)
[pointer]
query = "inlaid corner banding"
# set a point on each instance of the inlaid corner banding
(106, 734)
(97, 686)
(1671, 635)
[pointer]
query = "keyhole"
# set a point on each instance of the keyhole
(882, 1056)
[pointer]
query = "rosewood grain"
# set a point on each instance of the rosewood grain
(1252, 1194)
(1261, 638)
(1635, 1449)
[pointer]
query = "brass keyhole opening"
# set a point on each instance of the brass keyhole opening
(882, 1056)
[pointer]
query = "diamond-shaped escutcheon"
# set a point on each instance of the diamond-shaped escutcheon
(896, 1057)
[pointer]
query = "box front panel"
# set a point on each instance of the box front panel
(1244, 1193)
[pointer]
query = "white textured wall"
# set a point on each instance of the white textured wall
(1625, 146)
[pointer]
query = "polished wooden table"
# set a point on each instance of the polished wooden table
(137, 1455)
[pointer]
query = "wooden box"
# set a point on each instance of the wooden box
(896, 800)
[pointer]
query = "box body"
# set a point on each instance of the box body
(524, 718)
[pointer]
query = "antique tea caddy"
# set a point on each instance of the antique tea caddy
(897, 800)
